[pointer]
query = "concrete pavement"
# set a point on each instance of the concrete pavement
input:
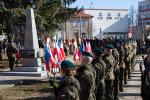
(132, 90)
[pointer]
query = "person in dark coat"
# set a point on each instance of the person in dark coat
(99, 66)
(11, 54)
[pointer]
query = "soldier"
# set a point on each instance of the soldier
(86, 75)
(109, 75)
(11, 53)
(69, 88)
(115, 54)
(127, 61)
(145, 88)
(99, 66)
(121, 66)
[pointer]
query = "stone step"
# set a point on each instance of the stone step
(29, 69)
(136, 73)
(134, 79)
(131, 85)
(29, 74)
(129, 94)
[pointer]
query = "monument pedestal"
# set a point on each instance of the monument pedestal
(31, 52)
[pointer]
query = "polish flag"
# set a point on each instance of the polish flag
(130, 33)
(58, 52)
(57, 57)
(48, 56)
(88, 47)
(62, 50)
(76, 53)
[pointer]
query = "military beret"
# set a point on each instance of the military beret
(84, 53)
(109, 46)
(98, 51)
(66, 64)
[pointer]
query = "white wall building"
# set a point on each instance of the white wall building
(113, 22)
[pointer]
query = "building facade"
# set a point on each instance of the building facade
(78, 26)
(144, 12)
(112, 22)
(143, 19)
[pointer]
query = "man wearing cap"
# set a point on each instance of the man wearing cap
(86, 76)
(69, 87)
(99, 66)
(109, 75)
(127, 61)
(115, 54)
(121, 65)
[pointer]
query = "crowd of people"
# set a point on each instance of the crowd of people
(101, 74)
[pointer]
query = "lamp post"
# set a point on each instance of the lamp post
(89, 28)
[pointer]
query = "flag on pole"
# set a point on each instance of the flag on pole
(58, 57)
(62, 50)
(130, 33)
(47, 57)
(76, 53)
(88, 47)
(82, 47)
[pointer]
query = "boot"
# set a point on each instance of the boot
(121, 89)
(116, 97)
(125, 82)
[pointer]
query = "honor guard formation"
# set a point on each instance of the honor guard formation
(101, 74)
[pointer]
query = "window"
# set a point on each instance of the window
(117, 18)
(83, 23)
(100, 18)
(140, 8)
(74, 23)
(100, 14)
(147, 6)
(119, 15)
(109, 14)
(109, 18)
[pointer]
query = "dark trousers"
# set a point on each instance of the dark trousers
(11, 63)
(116, 83)
(121, 77)
(109, 90)
(127, 72)
(100, 90)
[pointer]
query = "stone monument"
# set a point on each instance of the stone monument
(31, 46)
(31, 52)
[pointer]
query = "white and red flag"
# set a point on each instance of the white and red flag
(130, 33)
(88, 47)
(62, 50)
(76, 56)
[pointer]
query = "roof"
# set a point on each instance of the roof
(108, 9)
(82, 15)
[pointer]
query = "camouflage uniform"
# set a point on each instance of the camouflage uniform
(86, 76)
(134, 50)
(69, 89)
(116, 73)
(121, 66)
(109, 76)
(127, 61)
(99, 65)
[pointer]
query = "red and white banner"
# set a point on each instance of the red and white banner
(130, 33)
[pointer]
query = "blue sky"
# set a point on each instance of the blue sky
(118, 4)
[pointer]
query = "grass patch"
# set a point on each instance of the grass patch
(37, 91)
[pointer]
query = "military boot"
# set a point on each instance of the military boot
(120, 88)
(116, 97)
